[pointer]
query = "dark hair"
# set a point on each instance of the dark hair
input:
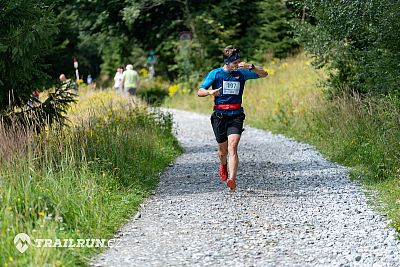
(121, 67)
(229, 51)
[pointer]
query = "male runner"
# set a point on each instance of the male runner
(227, 119)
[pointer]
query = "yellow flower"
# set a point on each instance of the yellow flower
(172, 89)
(41, 213)
(5, 264)
(144, 72)
(270, 71)
(19, 200)
(10, 259)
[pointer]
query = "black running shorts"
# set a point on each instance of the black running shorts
(131, 90)
(224, 125)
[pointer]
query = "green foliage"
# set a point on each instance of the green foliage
(258, 27)
(269, 32)
(104, 34)
(74, 41)
(154, 92)
(39, 42)
(37, 46)
(112, 55)
(39, 114)
(359, 40)
(26, 34)
(190, 62)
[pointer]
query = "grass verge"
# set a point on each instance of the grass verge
(79, 182)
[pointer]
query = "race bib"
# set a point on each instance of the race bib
(230, 88)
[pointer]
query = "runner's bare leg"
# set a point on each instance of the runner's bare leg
(223, 152)
(233, 142)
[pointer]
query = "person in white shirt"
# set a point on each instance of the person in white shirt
(118, 79)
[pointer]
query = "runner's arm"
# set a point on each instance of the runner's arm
(207, 82)
(260, 71)
(257, 69)
(204, 92)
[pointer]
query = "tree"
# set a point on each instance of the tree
(275, 32)
(359, 41)
(26, 31)
(256, 26)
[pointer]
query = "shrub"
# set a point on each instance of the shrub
(359, 40)
(153, 91)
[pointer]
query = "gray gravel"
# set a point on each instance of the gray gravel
(291, 208)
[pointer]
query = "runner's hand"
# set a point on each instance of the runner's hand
(244, 65)
(215, 92)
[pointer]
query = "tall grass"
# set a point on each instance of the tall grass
(82, 181)
(361, 133)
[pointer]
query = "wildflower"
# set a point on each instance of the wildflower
(172, 89)
(144, 72)
(270, 71)
(41, 213)
(10, 259)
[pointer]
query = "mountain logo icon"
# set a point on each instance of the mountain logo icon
(22, 242)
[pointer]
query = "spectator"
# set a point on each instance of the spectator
(118, 79)
(66, 81)
(130, 80)
(89, 79)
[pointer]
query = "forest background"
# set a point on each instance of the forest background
(39, 39)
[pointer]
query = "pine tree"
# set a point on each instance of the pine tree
(26, 31)
(270, 32)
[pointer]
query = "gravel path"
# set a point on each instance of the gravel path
(291, 208)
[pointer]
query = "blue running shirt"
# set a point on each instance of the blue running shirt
(232, 84)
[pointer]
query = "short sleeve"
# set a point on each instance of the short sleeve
(248, 74)
(208, 80)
